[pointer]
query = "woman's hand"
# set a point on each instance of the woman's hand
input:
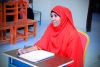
(21, 51)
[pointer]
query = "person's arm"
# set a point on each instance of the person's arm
(31, 48)
(22, 51)
(40, 44)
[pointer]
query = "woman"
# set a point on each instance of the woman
(61, 37)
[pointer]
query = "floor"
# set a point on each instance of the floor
(92, 53)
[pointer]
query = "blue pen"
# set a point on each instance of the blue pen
(24, 47)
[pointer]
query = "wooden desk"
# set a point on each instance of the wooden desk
(56, 61)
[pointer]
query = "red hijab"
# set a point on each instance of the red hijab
(64, 39)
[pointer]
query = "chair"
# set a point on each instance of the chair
(0, 12)
(10, 9)
(3, 27)
(21, 23)
(23, 13)
(16, 23)
(85, 41)
(34, 23)
(0, 18)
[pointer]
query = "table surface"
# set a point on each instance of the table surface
(54, 61)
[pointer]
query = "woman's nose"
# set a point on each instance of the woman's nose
(53, 18)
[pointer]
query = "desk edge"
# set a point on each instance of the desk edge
(20, 60)
(66, 63)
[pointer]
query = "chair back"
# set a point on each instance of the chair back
(85, 41)
(10, 9)
(0, 12)
(22, 6)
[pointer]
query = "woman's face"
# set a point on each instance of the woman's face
(55, 19)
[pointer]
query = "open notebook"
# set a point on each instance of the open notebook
(37, 55)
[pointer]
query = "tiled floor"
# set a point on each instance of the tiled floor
(92, 53)
(94, 47)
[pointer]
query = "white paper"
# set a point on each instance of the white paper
(37, 55)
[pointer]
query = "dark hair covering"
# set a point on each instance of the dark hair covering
(55, 12)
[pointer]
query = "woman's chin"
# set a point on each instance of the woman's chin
(55, 26)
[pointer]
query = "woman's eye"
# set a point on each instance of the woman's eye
(55, 15)
(51, 16)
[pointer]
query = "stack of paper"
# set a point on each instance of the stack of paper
(37, 55)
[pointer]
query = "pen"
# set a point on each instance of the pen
(24, 46)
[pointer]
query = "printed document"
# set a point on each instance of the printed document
(37, 55)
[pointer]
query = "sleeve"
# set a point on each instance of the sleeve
(43, 42)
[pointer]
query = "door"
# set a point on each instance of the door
(94, 6)
(89, 16)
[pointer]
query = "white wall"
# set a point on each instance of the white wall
(79, 9)
(44, 7)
